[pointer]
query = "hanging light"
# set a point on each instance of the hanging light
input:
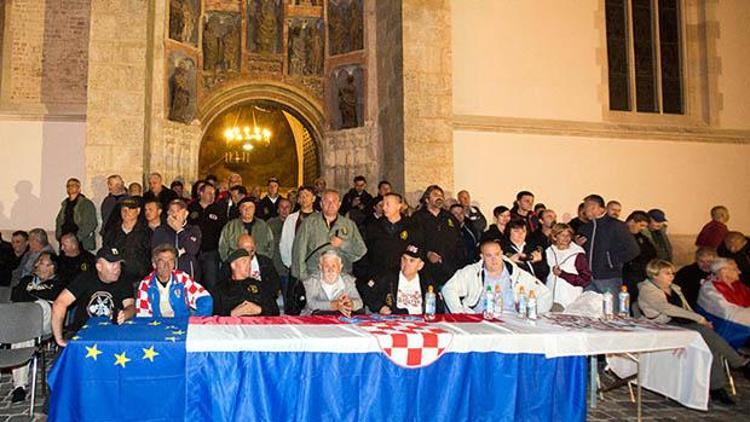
(247, 135)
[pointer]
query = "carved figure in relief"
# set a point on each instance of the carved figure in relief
(337, 29)
(179, 109)
(213, 46)
(357, 31)
(232, 52)
(296, 50)
(267, 26)
(348, 103)
(314, 49)
(181, 20)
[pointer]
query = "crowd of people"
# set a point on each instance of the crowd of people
(221, 249)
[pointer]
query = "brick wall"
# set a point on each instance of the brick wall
(48, 51)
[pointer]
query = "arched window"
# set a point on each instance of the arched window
(644, 56)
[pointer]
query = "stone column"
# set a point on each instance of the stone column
(115, 110)
(428, 95)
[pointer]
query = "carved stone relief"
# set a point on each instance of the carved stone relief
(346, 97)
(181, 91)
(345, 26)
(184, 16)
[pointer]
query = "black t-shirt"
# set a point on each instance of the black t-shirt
(69, 267)
(94, 298)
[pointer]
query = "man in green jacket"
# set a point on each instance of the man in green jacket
(323, 231)
(78, 216)
(246, 223)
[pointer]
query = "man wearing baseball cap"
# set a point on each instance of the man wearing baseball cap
(656, 232)
(402, 291)
(242, 294)
(99, 294)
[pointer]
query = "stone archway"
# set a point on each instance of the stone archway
(301, 105)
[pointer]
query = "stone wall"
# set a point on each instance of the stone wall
(349, 153)
(116, 89)
(47, 56)
(427, 95)
(390, 89)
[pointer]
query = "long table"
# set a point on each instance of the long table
(335, 368)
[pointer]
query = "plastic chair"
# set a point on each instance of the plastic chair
(21, 322)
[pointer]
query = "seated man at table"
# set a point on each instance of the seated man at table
(398, 292)
(690, 277)
(662, 301)
(329, 291)
(98, 294)
(726, 301)
(261, 267)
(243, 293)
(464, 292)
(168, 292)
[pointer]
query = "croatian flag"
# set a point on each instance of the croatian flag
(723, 306)
(370, 368)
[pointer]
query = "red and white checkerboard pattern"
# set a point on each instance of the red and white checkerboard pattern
(193, 291)
(411, 344)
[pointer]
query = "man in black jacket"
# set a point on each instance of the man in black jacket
(634, 271)
(690, 277)
(268, 207)
(399, 291)
(608, 244)
(131, 240)
(442, 240)
(387, 237)
(249, 290)
(356, 199)
(210, 217)
(158, 191)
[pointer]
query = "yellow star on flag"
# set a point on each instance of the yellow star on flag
(121, 359)
(172, 339)
(129, 322)
(154, 323)
(92, 352)
(85, 326)
(150, 354)
(104, 323)
(75, 338)
(178, 332)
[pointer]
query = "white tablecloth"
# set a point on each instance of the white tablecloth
(681, 376)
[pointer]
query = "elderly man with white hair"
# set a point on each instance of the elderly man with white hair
(329, 291)
(726, 301)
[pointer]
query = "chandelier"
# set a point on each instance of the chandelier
(243, 139)
(246, 136)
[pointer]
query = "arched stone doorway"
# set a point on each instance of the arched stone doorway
(294, 119)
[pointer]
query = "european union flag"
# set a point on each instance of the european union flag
(133, 371)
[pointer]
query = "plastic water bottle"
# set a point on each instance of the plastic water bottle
(499, 305)
(522, 303)
(430, 303)
(531, 311)
(607, 305)
(623, 302)
(489, 303)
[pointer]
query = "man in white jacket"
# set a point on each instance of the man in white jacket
(463, 292)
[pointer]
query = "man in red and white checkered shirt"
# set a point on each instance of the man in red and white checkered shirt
(168, 292)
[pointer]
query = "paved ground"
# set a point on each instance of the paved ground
(616, 406)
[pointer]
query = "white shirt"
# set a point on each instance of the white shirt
(164, 307)
(255, 269)
(333, 290)
(409, 294)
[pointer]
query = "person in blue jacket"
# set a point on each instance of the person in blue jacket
(168, 292)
